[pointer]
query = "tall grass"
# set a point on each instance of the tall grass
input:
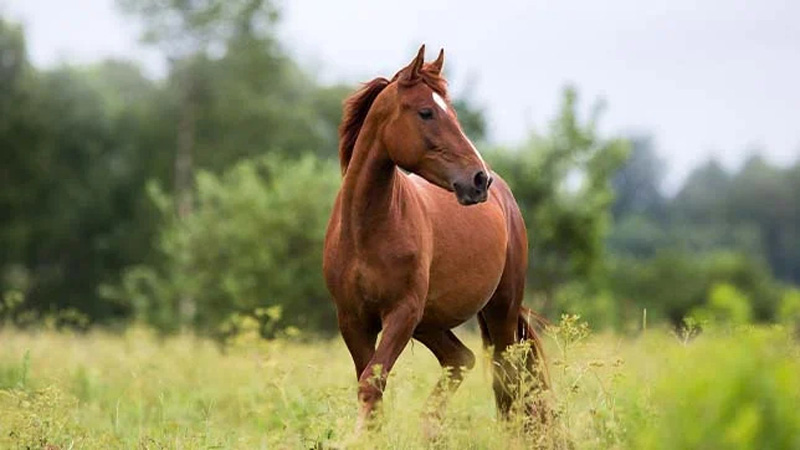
(724, 389)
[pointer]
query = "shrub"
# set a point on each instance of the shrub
(789, 312)
(674, 284)
(726, 304)
(253, 241)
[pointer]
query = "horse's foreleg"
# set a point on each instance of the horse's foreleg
(455, 358)
(398, 327)
(360, 337)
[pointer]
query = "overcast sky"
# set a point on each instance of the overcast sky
(707, 78)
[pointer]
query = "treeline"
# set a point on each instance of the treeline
(606, 242)
(81, 143)
(723, 232)
(201, 199)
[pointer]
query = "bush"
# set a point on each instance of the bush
(600, 308)
(254, 241)
(789, 313)
(726, 304)
(675, 284)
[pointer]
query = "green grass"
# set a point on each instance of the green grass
(722, 389)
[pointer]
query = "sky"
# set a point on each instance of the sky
(711, 78)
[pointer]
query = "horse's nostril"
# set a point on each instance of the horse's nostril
(481, 180)
(489, 183)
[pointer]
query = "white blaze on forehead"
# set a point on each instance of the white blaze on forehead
(439, 101)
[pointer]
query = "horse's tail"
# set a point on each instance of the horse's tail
(535, 361)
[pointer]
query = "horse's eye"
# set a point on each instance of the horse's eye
(426, 114)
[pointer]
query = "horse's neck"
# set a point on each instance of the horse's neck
(369, 191)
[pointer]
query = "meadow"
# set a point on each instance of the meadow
(723, 388)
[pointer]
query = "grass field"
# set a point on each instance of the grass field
(723, 389)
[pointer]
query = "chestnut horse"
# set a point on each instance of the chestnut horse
(405, 256)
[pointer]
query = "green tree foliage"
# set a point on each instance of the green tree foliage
(762, 196)
(16, 134)
(244, 93)
(726, 304)
(184, 27)
(738, 228)
(673, 283)
(639, 207)
(72, 165)
(702, 196)
(637, 184)
(754, 210)
(254, 241)
(562, 182)
(789, 312)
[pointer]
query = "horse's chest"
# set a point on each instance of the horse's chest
(379, 267)
(380, 275)
(385, 276)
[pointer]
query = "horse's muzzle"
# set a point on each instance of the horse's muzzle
(476, 190)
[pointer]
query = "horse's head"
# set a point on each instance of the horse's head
(422, 134)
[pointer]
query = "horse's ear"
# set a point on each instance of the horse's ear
(437, 65)
(411, 72)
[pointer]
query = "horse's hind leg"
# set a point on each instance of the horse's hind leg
(499, 335)
(503, 324)
(454, 358)
(513, 379)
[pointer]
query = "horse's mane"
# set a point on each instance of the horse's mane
(357, 106)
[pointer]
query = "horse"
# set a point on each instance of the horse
(422, 237)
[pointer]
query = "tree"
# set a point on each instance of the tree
(562, 182)
(17, 168)
(189, 33)
(761, 195)
(637, 185)
(71, 210)
(253, 242)
(673, 283)
(753, 210)
(702, 198)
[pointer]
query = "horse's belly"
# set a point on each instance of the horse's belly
(457, 305)
(465, 273)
